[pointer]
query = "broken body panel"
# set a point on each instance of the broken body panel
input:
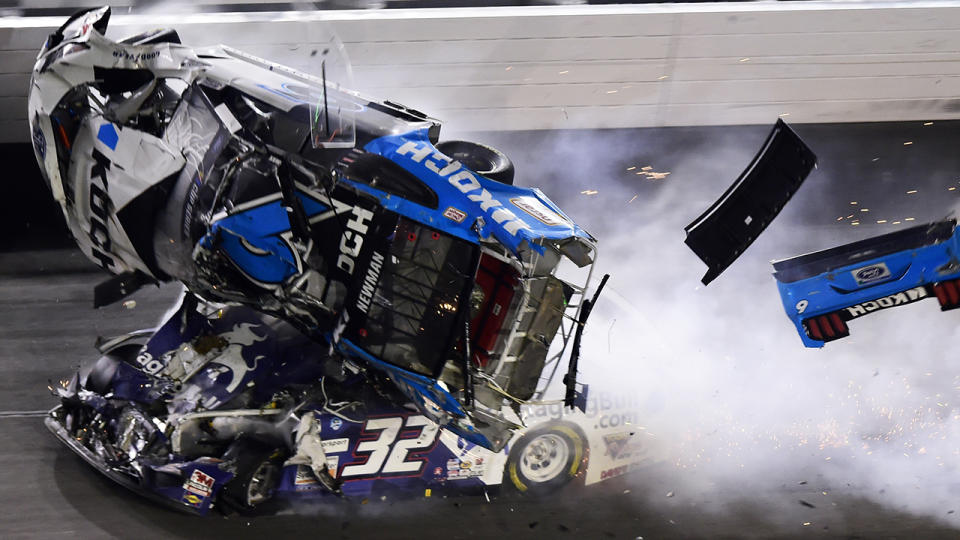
(823, 291)
(726, 229)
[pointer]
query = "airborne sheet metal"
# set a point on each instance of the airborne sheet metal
(851, 281)
(722, 233)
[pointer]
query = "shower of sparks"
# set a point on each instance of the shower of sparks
(911, 192)
(908, 143)
(876, 428)
(632, 199)
(589, 192)
(928, 123)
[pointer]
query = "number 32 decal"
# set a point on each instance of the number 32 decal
(386, 454)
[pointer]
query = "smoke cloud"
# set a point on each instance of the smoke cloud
(736, 409)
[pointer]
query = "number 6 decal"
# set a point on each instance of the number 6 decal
(388, 455)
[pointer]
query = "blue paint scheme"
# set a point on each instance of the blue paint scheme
(108, 135)
(265, 228)
(837, 289)
(449, 195)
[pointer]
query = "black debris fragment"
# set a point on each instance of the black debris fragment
(802, 482)
(805, 503)
(533, 524)
(563, 528)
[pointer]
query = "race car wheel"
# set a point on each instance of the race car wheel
(258, 471)
(480, 158)
(546, 458)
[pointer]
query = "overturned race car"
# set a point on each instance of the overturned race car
(352, 283)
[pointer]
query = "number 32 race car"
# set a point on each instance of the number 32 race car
(366, 309)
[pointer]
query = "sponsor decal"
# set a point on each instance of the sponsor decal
(369, 285)
(336, 423)
(538, 210)
(135, 56)
(148, 363)
(192, 499)
(381, 451)
(352, 239)
(304, 478)
(232, 358)
(199, 483)
(336, 446)
(617, 471)
(40, 141)
(450, 213)
(898, 299)
(622, 446)
(100, 205)
(463, 469)
(598, 404)
(614, 420)
(869, 274)
(461, 178)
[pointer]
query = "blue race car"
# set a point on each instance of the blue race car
(422, 276)
(824, 291)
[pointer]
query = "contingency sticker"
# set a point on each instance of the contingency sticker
(199, 483)
(538, 210)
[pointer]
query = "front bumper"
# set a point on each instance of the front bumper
(120, 477)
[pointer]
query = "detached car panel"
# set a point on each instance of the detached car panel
(722, 233)
(823, 291)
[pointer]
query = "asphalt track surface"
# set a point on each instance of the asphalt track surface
(47, 326)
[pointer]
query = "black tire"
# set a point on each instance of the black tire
(547, 458)
(258, 471)
(480, 158)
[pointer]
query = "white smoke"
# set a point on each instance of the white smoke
(743, 414)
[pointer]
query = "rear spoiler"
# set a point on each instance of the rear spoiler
(738, 217)
(823, 291)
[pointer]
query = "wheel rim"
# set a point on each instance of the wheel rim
(261, 483)
(545, 457)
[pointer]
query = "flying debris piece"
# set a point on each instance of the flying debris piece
(130, 304)
(669, 494)
(805, 503)
(730, 225)
(823, 291)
